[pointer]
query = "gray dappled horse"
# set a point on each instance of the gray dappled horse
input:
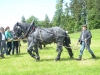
(37, 35)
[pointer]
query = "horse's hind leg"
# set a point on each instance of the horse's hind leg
(69, 51)
(59, 49)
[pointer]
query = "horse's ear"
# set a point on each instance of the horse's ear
(17, 23)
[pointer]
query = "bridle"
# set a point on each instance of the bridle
(18, 28)
(25, 32)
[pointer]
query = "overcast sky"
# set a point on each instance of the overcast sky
(12, 11)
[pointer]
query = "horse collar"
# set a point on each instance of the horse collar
(33, 28)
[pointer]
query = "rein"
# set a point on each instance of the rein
(25, 33)
(32, 30)
(75, 47)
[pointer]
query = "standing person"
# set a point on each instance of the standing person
(85, 41)
(3, 47)
(9, 39)
(15, 46)
(15, 43)
(0, 40)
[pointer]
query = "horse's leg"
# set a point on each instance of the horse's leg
(40, 45)
(29, 41)
(30, 49)
(66, 42)
(59, 49)
(44, 45)
(69, 50)
(37, 54)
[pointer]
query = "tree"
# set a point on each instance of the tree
(23, 19)
(31, 18)
(47, 21)
(93, 14)
(68, 20)
(58, 13)
(41, 24)
(76, 11)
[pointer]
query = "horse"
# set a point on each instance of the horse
(37, 35)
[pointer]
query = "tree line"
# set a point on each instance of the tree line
(70, 16)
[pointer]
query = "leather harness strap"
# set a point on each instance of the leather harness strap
(32, 30)
(40, 35)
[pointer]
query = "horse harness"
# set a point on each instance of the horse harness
(40, 35)
(33, 28)
(41, 39)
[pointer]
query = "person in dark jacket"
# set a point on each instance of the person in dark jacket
(85, 41)
(3, 44)
(15, 43)
(0, 40)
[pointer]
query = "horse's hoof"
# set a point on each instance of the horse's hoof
(37, 58)
(34, 57)
(57, 59)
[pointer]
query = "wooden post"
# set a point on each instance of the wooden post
(19, 45)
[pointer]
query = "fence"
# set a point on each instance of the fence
(18, 42)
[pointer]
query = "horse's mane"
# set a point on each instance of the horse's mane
(23, 25)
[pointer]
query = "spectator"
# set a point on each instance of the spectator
(9, 39)
(15, 43)
(0, 40)
(3, 44)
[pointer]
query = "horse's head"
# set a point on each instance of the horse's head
(18, 29)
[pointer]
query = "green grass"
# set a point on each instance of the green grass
(23, 64)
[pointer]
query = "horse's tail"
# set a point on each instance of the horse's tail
(67, 39)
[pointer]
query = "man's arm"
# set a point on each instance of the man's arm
(6, 35)
(79, 40)
(0, 37)
(89, 35)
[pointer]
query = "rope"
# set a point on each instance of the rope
(72, 47)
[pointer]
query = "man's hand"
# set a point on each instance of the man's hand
(18, 38)
(85, 40)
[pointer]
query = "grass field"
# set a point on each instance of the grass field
(23, 64)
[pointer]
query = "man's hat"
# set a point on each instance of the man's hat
(84, 25)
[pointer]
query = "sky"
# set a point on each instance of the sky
(11, 11)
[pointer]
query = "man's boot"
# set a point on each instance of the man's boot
(93, 56)
(79, 58)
